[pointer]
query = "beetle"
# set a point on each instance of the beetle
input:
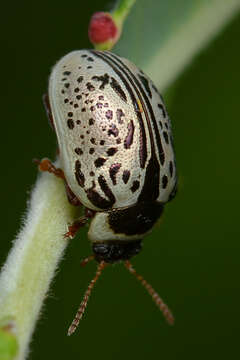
(116, 155)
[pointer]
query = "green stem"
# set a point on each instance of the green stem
(121, 11)
(32, 262)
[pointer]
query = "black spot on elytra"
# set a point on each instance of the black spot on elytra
(80, 79)
(135, 186)
(70, 124)
(117, 88)
(78, 174)
(119, 114)
(84, 56)
(90, 59)
(67, 73)
(126, 176)
(99, 162)
(93, 141)
(66, 101)
(129, 138)
(78, 122)
(67, 85)
(104, 79)
(91, 151)
(164, 181)
(78, 97)
(109, 114)
(114, 168)
(70, 114)
(76, 90)
(113, 130)
(91, 121)
(90, 86)
(112, 151)
(101, 97)
(78, 151)
(76, 106)
(102, 142)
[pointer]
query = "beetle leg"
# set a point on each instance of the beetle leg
(73, 229)
(46, 165)
(89, 213)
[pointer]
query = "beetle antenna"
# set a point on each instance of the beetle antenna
(156, 298)
(84, 302)
(86, 260)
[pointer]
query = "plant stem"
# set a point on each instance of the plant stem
(32, 262)
(121, 11)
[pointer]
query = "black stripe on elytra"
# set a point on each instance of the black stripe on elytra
(78, 174)
(150, 189)
(145, 83)
(150, 109)
(106, 189)
(129, 138)
(97, 199)
(118, 90)
(48, 110)
(142, 140)
(114, 168)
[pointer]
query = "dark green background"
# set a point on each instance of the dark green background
(192, 258)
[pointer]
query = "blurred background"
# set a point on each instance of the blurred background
(191, 258)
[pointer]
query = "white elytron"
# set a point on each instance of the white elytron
(115, 142)
(116, 155)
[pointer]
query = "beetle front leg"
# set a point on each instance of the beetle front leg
(73, 229)
(46, 165)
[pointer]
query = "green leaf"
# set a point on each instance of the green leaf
(162, 37)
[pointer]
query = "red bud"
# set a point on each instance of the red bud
(102, 28)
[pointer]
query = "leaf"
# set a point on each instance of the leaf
(162, 37)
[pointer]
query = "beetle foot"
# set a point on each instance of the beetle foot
(46, 165)
(73, 229)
